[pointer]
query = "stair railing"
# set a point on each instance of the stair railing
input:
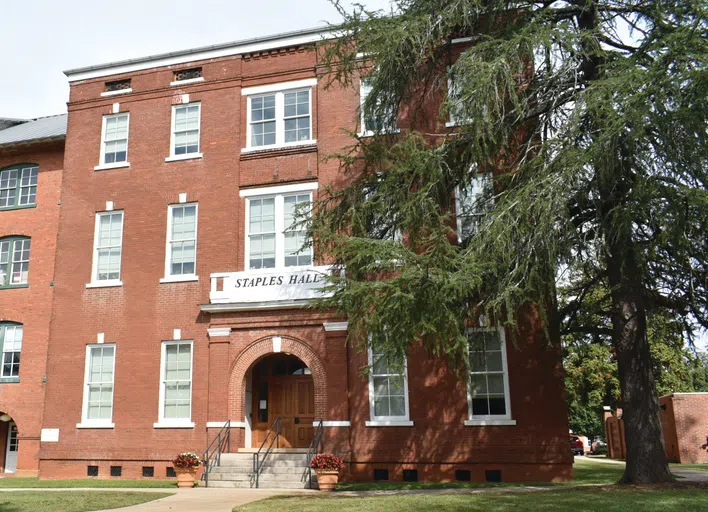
(212, 455)
(316, 446)
(272, 436)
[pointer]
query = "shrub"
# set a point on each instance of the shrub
(186, 460)
(327, 461)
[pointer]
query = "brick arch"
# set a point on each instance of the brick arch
(10, 411)
(264, 347)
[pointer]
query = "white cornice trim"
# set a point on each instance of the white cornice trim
(198, 54)
(253, 306)
(335, 326)
(278, 189)
(282, 86)
(215, 332)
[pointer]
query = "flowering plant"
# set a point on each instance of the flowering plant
(187, 460)
(327, 461)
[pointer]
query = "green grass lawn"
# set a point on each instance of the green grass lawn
(35, 483)
(607, 499)
(72, 501)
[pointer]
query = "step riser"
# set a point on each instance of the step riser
(248, 466)
(263, 485)
(264, 478)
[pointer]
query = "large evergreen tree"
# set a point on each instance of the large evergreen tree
(592, 116)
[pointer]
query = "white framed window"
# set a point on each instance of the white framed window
(176, 384)
(99, 375)
(274, 235)
(488, 377)
(108, 246)
(114, 140)
(453, 97)
(369, 125)
(14, 261)
(181, 250)
(388, 392)
(279, 118)
(186, 127)
(470, 205)
(11, 343)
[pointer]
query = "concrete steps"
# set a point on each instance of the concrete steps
(282, 469)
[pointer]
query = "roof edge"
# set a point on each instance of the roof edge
(201, 53)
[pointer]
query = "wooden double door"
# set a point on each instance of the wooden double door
(283, 388)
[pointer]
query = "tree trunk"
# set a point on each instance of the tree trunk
(646, 458)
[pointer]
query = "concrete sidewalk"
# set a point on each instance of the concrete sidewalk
(685, 475)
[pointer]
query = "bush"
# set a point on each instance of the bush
(327, 461)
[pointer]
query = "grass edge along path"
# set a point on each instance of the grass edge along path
(36, 483)
(74, 501)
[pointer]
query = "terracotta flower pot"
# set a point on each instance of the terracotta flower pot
(327, 479)
(186, 477)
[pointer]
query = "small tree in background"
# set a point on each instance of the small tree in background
(591, 113)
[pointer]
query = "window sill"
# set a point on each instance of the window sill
(105, 167)
(183, 424)
(489, 423)
(13, 286)
(95, 425)
(18, 207)
(9, 380)
(279, 147)
(373, 134)
(396, 423)
(187, 156)
(188, 81)
(179, 279)
(116, 93)
(104, 284)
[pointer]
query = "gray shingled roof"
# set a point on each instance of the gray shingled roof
(52, 127)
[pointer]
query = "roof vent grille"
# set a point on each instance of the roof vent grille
(188, 74)
(118, 85)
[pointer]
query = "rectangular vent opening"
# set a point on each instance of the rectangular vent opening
(148, 471)
(91, 470)
(118, 85)
(116, 470)
(410, 475)
(171, 473)
(187, 74)
(493, 475)
(380, 474)
(463, 475)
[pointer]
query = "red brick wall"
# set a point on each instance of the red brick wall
(143, 312)
(690, 421)
(31, 306)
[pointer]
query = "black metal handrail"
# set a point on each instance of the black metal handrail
(316, 444)
(273, 434)
(212, 455)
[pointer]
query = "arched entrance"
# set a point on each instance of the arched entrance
(282, 387)
(8, 443)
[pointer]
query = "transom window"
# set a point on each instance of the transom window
(280, 118)
(108, 246)
(98, 392)
(181, 240)
(185, 129)
(471, 205)
(388, 389)
(176, 392)
(11, 342)
(14, 261)
(18, 186)
(488, 388)
(276, 237)
(114, 149)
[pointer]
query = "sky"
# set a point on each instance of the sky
(42, 38)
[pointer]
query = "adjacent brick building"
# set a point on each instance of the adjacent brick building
(180, 286)
(31, 163)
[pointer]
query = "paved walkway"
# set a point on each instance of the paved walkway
(685, 475)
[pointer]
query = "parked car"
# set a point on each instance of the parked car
(576, 445)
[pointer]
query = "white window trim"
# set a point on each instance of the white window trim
(387, 421)
(491, 419)
(163, 422)
(458, 205)
(279, 231)
(116, 93)
(282, 189)
(187, 81)
(102, 165)
(85, 421)
(279, 91)
(187, 156)
(169, 278)
(95, 283)
(363, 132)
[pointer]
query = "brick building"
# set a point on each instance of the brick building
(180, 286)
(31, 162)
